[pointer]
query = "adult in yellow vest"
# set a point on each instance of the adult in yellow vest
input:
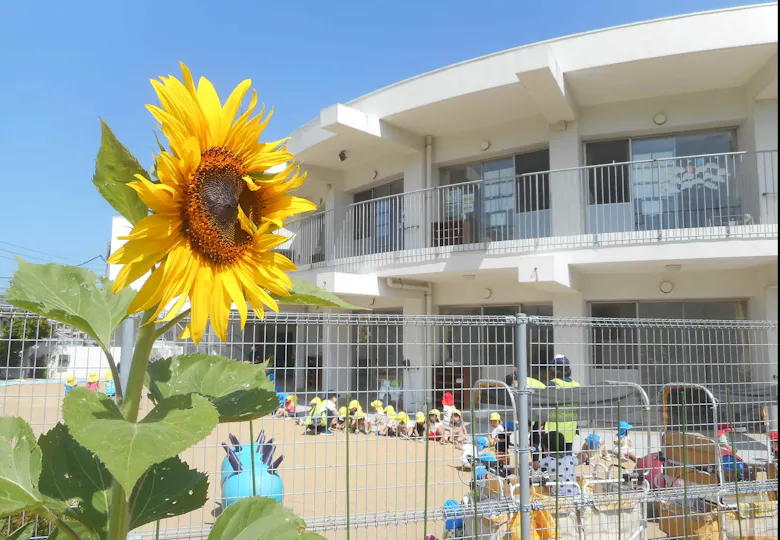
(564, 419)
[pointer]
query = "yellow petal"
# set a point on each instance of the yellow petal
(200, 297)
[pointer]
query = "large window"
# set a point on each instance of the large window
(490, 197)
(665, 354)
(379, 219)
(676, 181)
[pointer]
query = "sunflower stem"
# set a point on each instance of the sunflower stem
(119, 514)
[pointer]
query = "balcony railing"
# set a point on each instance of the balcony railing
(688, 198)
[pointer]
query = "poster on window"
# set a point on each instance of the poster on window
(468, 203)
(454, 202)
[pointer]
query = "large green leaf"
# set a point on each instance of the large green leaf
(20, 467)
(239, 391)
(168, 489)
(71, 473)
(259, 518)
(114, 168)
(72, 295)
(308, 294)
(22, 533)
(79, 528)
(128, 449)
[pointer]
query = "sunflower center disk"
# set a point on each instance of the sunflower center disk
(211, 214)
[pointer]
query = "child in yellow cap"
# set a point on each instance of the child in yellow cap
(357, 418)
(378, 424)
(417, 431)
(496, 428)
(435, 425)
(110, 386)
(70, 384)
(93, 381)
(397, 425)
(341, 421)
(458, 433)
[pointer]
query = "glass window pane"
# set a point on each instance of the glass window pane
(696, 144)
(608, 184)
(614, 347)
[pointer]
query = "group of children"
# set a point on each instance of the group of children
(324, 416)
(93, 383)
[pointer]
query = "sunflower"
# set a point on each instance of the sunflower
(213, 212)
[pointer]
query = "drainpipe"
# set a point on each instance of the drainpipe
(427, 290)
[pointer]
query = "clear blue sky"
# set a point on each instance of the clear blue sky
(65, 64)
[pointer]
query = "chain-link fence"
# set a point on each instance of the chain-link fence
(581, 428)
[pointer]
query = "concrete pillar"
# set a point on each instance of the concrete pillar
(336, 226)
(418, 375)
(765, 125)
(571, 341)
(414, 201)
(567, 187)
(337, 354)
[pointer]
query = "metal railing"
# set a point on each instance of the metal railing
(714, 196)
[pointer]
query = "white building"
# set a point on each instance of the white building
(626, 172)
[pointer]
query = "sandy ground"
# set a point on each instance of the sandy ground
(384, 476)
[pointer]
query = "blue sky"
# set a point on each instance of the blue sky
(65, 64)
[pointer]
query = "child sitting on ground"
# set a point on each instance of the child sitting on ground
(417, 431)
(458, 433)
(380, 418)
(287, 410)
(435, 426)
(357, 418)
(341, 421)
(396, 426)
(495, 428)
(623, 446)
(560, 466)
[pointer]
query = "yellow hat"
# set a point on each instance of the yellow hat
(378, 406)
(108, 376)
(495, 416)
(93, 377)
(436, 412)
(71, 381)
(456, 411)
(390, 412)
(420, 417)
(293, 399)
(402, 418)
(359, 415)
(354, 404)
(343, 412)
(315, 401)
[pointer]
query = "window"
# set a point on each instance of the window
(376, 218)
(608, 172)
(614, 346)
(533, 182)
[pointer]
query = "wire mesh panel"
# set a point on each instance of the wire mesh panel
(693, 456)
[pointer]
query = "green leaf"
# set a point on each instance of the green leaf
(259, 518)
(20, 467)
(168, 489)
(128, 449)
(80, 529)
(72, 295)
(239, 391)
(308, 294)
(71, 473)
(22, 533)
(115, 167)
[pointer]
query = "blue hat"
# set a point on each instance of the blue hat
(623, 428)
(487, 457)
(593, 440)
(481, 443)
(560, 360)
(509, 425)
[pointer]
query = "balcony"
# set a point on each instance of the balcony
(705, 197)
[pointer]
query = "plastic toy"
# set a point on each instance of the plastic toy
(70, 384)
(236, 475)
(93, 381)
(110, 386)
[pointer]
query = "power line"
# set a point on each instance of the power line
(36, 251)
(26, 256)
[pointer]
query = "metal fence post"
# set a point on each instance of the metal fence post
(521, 403)
(126, 355)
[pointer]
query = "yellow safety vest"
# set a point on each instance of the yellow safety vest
(530, 382)
(564, 420)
